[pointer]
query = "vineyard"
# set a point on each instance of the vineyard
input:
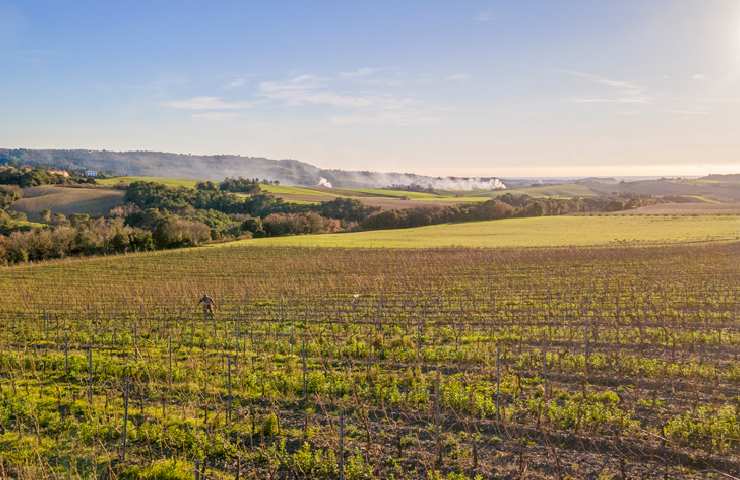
(608, 362)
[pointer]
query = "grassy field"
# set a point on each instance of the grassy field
(444, 364)
(67, 200)
(170, 182)
(295, 190)
(533, 232)
(566, 190)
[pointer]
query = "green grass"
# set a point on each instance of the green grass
(532, 232)
(445, 197)
(383, 192)
(295, 190)
(170, 182)
(25, 223)
(565, 190)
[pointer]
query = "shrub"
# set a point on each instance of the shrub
(706, 427)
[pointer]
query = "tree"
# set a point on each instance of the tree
(46, 215)
(207, 185)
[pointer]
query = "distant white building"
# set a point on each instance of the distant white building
(91, 173)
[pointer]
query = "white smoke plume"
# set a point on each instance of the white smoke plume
(381, 180)
(324, 183)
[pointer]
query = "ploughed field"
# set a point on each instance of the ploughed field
(610, 362)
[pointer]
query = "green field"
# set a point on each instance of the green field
(296, 190)
(565, 190)
(170, 182)
(532, 232)
(384, 192)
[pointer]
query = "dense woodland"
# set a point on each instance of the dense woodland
(155, 216)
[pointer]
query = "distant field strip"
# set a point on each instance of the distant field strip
(532, 232)
(170, 182)
(566, 190)
(68, 200)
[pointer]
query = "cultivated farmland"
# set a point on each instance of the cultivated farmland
(547, 231)
(611, 362)
(68, 200)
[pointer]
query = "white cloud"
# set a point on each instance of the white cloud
(313, 90)
(355, 108)
(207, 103)
(308, 90)
(698, 76)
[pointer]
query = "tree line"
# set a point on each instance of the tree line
(34, 177)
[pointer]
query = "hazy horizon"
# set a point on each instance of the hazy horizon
(452, 172)
(485, 88)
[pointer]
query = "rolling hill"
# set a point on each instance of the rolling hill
(216, 167)
(68, 200)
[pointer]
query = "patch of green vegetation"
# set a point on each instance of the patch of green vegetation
(714, 429)
(170, 182)
(296, 190)
(565, 230)
(25, 224)
(161, 470)
(565, 190)
(386, 192)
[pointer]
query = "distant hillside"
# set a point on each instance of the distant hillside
(723, 188)
(217, 167)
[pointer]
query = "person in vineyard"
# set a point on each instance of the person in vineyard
(209, 305)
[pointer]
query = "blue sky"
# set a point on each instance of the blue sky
(541, 88)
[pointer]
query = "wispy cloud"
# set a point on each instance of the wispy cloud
(620, 91)
(698, 76)
(350, 97)
(207, 103)
(354, 108)
(309, 90)
(623, 85)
